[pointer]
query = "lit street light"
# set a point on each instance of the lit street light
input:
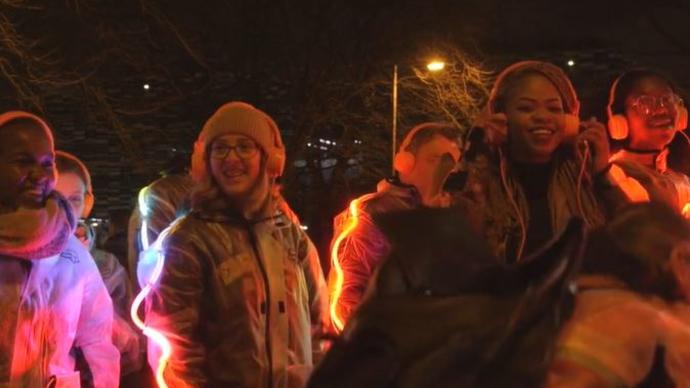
(435, 65)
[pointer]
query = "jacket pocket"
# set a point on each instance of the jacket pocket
(235, 268)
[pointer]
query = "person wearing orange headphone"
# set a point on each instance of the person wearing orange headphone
(427, 156)
(540, 165)
(241, 298)
(74, 183)
(645, 114)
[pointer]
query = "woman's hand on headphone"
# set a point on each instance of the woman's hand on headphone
(594, 135)
(495, 128)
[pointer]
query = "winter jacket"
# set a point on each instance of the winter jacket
(592, 200)
(614, 334)
(241, 303)
(125, 335)
(362, 250)
(61, 304)
(442, 312)
(660, 183)
(364, 247)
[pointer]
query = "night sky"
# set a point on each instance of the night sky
(321, 68)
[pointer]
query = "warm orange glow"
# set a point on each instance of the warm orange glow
(337, 287)
(686, 210)
(632, 188)
(436, 65)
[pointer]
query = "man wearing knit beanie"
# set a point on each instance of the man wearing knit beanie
(241, 296)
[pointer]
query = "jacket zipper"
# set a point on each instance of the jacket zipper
(267, 289)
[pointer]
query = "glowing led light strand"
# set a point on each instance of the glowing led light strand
(337, 290)
(157, 337)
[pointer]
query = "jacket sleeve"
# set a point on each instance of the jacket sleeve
(174, 308)
(358, 255)
(165, 199)
(94, 329)
(615, 188)
(125, 336)
(318, 294)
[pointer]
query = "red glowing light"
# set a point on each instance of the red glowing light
(337, 287)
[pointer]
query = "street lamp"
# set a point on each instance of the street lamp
(433, 66)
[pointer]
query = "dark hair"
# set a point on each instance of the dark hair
(179, 163)
(425, 135)
(626, 82)
(635, 248)
(507, 85)
(513, 74)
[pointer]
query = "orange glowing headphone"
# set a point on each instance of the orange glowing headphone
(618, 123)
(572, 121)
(275, 164)
(404, 159)
(88, 196)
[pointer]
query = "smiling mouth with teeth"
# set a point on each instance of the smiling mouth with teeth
(661, 123)
(542, 131)
(34, 192)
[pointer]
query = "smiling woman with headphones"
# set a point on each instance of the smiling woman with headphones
(241, 297)
(540, 166)
(645, 114)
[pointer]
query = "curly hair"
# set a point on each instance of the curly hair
(513, 74)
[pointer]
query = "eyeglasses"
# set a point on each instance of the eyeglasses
(244, 150)
(646, 104)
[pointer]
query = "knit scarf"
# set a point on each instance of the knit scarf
(37, 233)
(485, 186)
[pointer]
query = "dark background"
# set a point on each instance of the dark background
(321, 68)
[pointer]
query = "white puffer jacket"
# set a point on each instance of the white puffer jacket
(63, 305)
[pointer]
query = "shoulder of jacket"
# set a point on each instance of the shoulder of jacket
(375, 203)
(192, 229)
(383, 202)
(631, 165)
(76, 255)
